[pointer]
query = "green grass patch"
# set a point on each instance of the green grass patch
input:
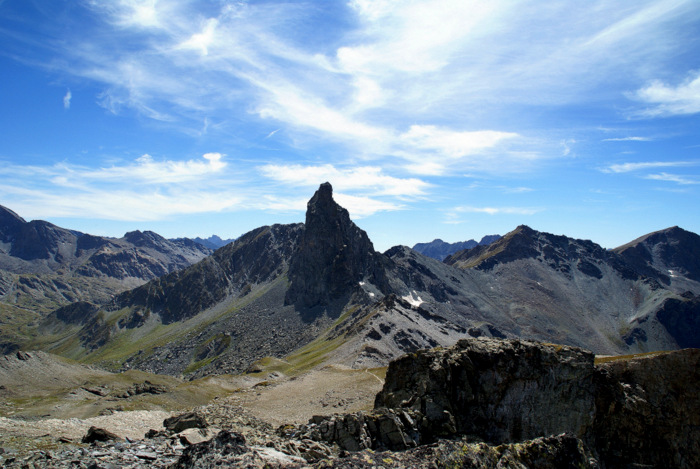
(197, 365)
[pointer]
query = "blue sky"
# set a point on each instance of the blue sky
(432, 119)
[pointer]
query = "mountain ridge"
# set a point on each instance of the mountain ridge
(319, 292)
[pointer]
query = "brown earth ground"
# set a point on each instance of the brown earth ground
(46, 401)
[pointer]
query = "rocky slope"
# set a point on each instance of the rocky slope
(584, 295)
(439, 249)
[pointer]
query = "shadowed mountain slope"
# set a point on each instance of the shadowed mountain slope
(668, 255)
(605, 301)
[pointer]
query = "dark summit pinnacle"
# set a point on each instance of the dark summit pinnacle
(334, 255)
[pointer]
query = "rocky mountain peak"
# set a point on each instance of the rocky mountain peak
(334, 255)
(10, 222)
(9, 219)
(144, 238)
(673, 251)
(518, 244)
(322, 212)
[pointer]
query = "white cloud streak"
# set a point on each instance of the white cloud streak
(370, 179)
(630, 167)
(144, 189)
(683, 180)
(668, 100)
(363, 190)
(628, 139)
(147, 170)
(498, 210)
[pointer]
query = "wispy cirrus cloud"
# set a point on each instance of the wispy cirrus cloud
(363, 190)
(638, 166)
(66, 99)
(498, 210)
(677, 178)
(143, 189)
(393, 102)
(380, 86)
(370, 179)
(628, 139)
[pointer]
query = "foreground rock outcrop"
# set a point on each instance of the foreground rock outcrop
(641, 412)
(498, 391)
(648, 410)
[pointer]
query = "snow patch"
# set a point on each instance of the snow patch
(413, 299)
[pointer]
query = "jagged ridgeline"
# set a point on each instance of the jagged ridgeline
(318, 293)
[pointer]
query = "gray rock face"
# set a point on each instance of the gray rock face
(497, 390)
(381, 429)
(552, 452)
(10, 223)
(648, 411)
(333, 256)
(664, 254)
(257, 257)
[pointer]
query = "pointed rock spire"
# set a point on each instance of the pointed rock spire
(334, 255)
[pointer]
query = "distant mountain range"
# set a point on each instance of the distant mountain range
(212, 242)
(43, 267)
(439, 249)
(317, 292)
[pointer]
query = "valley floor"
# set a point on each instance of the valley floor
(257, 400)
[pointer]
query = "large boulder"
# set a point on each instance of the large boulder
(99, 434)
(179, 423)
(381, 429)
